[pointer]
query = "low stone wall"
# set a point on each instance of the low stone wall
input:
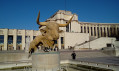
(110, 52)
(91, 65)
(13, 56)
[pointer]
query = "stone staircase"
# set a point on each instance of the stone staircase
(98, 43)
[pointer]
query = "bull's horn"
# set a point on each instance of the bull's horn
(40, 23)
(63, 25)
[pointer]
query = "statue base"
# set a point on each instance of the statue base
(46, 61)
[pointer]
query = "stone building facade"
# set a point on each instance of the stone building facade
(13, 39)
(100, 29)
(74, 34)
(94, 29)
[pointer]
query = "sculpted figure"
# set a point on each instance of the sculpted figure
(49, 34)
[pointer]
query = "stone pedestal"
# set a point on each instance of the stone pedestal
(46, 61)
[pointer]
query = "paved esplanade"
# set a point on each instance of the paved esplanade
(91, 56)
(86, 56)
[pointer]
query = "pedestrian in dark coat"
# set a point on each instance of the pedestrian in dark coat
(73, 55)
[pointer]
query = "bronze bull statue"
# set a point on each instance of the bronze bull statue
(49, 34)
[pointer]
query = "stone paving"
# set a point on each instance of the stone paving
(104, 60)
(88, 56)
(91, 56)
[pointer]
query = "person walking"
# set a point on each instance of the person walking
(73, 55)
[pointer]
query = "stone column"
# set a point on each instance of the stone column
(106, 31)
(27, 44)
(116, 30)
(23, 39)
(100, 31)
(89, 30)
(86, 29)
(109, 31)
(5, 38)
(69, 27)
(59, 43)
(96, 32)
(82, 28)
(15, 38)
(93, 30)
(31, 35)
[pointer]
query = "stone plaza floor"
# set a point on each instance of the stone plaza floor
(91, 56)
(88, 57)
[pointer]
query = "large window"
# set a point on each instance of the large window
(84, 29)
(10, 39)
(98, 31)
(108, 31)
(1, 39)
(62, 38)
(19, 39)
(101, 31)
(88, 29)
(108, 45)
(81, 30)
(55, 41)
(111, 31)
(91, 31)
(34, 37)
(118, 31)
(67, 28)
(19, 42)
(114, 32)
(104, 32)
(94, 31)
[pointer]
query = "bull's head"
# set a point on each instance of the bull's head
(51, 31)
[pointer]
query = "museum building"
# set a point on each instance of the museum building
(78, 35)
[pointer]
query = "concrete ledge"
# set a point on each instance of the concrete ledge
(93, 64)
(13, 56)
(76, 65)
(7, 66)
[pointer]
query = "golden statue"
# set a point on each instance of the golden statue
(49, 34)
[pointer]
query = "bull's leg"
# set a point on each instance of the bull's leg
(34, 44)
(32, 49)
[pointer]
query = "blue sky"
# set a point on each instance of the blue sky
(22, 14)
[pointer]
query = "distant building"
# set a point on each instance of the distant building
(76, 35)
(13, 39)
(93, 29)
